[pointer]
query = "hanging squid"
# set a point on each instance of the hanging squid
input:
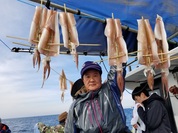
(35, 33)
(49, 41)
(163, 49)
(63, 84)
(73, 37)
(147, 50)
(43, 20)
(35, 26)
(117, 50)
(110, 33)
(64, 28)
(122, 53)
(70, 34)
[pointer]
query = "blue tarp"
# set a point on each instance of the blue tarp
(128, 11)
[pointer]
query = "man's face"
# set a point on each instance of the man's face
(139, 99)
(92, 80)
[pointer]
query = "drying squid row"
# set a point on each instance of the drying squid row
(152, 46)
(117, 50)
(44, 35)
(153, 51)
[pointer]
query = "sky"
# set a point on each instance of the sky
(21, 94)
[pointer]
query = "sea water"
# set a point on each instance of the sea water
(26, 124)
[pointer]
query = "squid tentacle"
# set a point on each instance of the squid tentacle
(46, 68)
(164, 79)
(36, 58)
(149, 73)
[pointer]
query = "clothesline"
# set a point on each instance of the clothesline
(134, 52)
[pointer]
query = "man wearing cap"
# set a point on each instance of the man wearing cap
(155, 115)
(98, 108)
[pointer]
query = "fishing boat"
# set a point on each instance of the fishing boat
(91, 17)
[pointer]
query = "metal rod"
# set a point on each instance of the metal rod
(132, 62)
(81, 13)
(30, 50)
(68, 9)
(172, 36)
(57, 6)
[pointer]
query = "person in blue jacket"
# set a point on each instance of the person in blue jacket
(97, 108)
(155, 115)
(4, 128)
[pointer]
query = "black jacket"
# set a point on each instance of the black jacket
(155, 115)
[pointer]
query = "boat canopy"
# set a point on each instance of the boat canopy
(91, 18)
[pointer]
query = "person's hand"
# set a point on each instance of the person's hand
(173, 89)
(135, 126)
(138, 105)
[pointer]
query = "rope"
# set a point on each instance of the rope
(5, 44)
(128, 91)
(103, 63)
(59, 74)
(26, 3)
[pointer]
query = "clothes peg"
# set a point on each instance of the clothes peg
(65, 8)
(112, 15)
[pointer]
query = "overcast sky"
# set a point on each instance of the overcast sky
(21, 94)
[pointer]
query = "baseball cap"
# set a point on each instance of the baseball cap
(90, 65)
(76, 86)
